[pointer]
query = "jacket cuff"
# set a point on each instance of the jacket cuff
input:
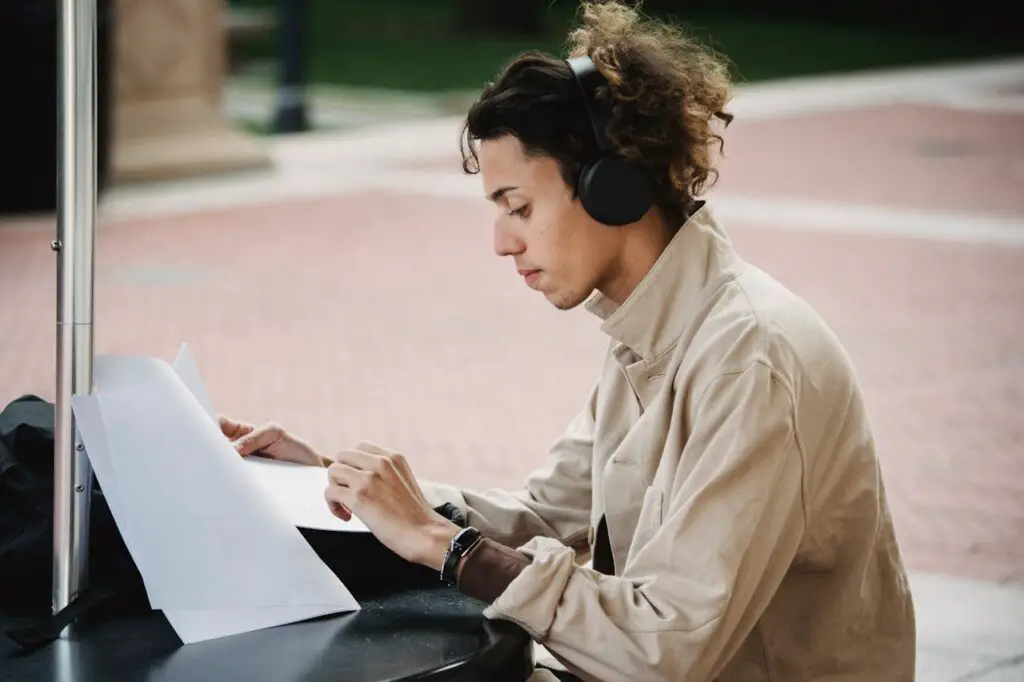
(452, 513)
(489, 569)
(531, 599)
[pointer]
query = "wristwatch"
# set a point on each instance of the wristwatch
(465, 540)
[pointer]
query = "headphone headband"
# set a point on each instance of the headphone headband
(588, 78)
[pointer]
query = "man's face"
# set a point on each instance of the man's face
(557, 248)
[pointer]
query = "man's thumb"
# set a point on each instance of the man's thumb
(246, 445)
(253, 442)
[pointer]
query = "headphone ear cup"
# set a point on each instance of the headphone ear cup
(583, 188)
(613, 192)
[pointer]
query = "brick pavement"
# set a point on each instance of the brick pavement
(383, 315)
(903, 155)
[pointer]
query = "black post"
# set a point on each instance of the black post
(291, 114)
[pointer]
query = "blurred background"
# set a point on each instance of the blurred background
(281, 190)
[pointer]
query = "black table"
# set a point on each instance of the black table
(417, 634)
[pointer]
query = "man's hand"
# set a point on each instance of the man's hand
(269, 440)
(378, 486)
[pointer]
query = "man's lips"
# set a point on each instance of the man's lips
(529, 275)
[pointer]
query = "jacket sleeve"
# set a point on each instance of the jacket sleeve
(689, 596)
(554, 501)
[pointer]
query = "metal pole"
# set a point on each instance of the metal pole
(291, 114)
(76, 217)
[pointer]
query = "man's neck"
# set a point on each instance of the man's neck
(642, 246)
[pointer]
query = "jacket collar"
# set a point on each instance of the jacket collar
(666, 302)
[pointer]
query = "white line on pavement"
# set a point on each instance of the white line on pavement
(786, 213)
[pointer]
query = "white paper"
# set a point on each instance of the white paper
(185, 367)
(89, 422)
(215, 554)
(297, 490)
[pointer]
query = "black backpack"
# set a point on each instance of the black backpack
(115, 586)
(26, 532)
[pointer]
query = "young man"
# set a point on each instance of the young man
(721, 475)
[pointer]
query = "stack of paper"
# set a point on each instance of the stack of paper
(214, 536)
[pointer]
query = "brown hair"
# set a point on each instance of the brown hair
(665, 88)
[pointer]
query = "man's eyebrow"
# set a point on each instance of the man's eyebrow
(500, 192)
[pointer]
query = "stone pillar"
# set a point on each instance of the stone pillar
(169, 62)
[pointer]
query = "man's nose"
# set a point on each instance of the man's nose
(506, 242)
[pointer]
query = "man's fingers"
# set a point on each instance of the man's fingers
(360, 459)
(346, 476)
(349, 488)
(379, 461)
(372, 448)
(246, 445)
(395, 460)
(402, 466)
(370, 457)
(258, 439)
(334, 495)
(233, 429)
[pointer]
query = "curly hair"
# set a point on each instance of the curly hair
(666, 90)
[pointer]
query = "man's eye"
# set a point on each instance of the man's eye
(520, 212)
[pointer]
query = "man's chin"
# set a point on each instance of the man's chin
(563, 301)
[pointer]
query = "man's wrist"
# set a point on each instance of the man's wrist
(438, 538)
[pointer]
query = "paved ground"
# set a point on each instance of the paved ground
(352, 294)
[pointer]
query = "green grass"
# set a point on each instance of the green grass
(408, 44)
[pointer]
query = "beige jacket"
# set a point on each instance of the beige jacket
(727, 445)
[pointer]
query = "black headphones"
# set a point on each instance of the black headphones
(611, 190)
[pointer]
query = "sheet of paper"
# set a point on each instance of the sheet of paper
(89, 421)
(185, 367)
(298, 491)
(215, 556)
(192, 625)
